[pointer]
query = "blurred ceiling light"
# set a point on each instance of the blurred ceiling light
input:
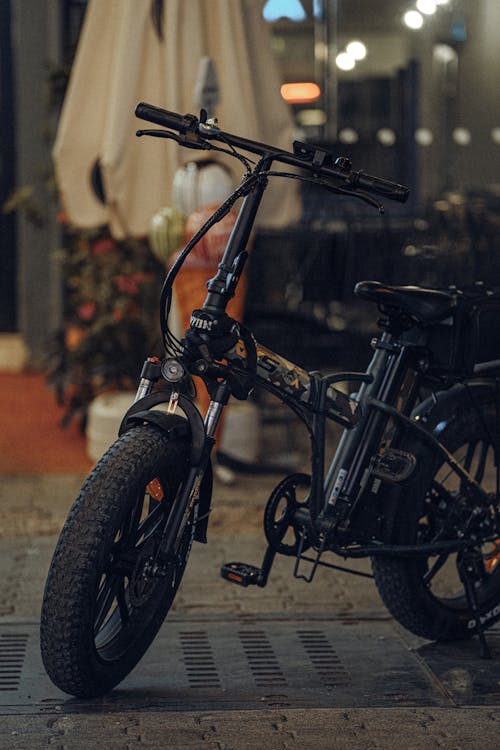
(345, 61)
(462, 136)
(495, 135)
(300, 93)
(311, 117)
(348, 136)
(356, 49)
(386, 136)
(290, 9)
(444, 53)
(428, 7)
(424, 136)
(441, 2)
(413, 19)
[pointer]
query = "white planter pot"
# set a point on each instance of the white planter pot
(104, 418)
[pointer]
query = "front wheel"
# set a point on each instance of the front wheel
(427, 595)
(104, 600)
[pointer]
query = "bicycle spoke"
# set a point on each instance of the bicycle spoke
(130, 529)
(105, 599)
(479, 475)
(471, 449)
(149, 525)
(460, 460)
(122, 602)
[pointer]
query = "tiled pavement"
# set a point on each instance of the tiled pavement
(31, 511)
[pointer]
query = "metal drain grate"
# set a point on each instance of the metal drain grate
(12, 654)
(199, 663)
(325, 660)
(261, 658)
(224, 662)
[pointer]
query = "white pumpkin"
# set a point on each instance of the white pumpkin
(166, 233)
(199, 184)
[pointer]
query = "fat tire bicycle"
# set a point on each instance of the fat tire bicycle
(413, 483)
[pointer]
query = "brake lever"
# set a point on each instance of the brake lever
(365, 197)
(199, 145)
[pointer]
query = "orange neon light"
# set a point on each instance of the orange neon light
(300, 93)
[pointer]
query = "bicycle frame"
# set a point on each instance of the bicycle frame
(391, 375)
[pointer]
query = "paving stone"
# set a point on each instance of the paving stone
(32, 510)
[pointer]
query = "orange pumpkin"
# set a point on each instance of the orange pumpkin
(208, 252)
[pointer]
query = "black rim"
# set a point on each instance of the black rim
(445, 514)
(128, 591)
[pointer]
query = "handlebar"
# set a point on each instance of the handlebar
(313, 159)
(160, 116)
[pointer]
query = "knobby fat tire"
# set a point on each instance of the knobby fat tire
(104, 505)
(400, 580)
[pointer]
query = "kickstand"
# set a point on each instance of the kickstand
(466, 566)
(320, 551)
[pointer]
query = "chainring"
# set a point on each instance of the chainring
(279, 515)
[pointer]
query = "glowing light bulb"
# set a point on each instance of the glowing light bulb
(345, 61)
(348, 136)
(424, 136)
(413, 19)
(462, 136)
(356, 49)
(386, 136)
(428, 7)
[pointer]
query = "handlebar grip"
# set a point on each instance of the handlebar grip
(386, 188)
(159, 116)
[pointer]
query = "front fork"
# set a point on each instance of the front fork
(187, 501)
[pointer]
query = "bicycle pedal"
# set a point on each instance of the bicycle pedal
(241, 573)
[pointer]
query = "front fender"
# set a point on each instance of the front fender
(143, 411)
(192, 426)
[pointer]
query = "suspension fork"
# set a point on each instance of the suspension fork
(172, 534)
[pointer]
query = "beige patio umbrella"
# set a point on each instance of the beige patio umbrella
(150, 50)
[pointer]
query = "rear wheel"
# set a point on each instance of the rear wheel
(105, 596)
(427, 595)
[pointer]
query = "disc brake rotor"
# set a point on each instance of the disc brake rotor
(143, 579)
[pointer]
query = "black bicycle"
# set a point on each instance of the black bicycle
(413, 483)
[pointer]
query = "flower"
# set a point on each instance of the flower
(104, 246)
(126, 284)
(129, 284)
(112, 289)
(86, 311)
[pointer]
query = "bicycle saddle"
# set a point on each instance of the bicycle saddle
(424, 305)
